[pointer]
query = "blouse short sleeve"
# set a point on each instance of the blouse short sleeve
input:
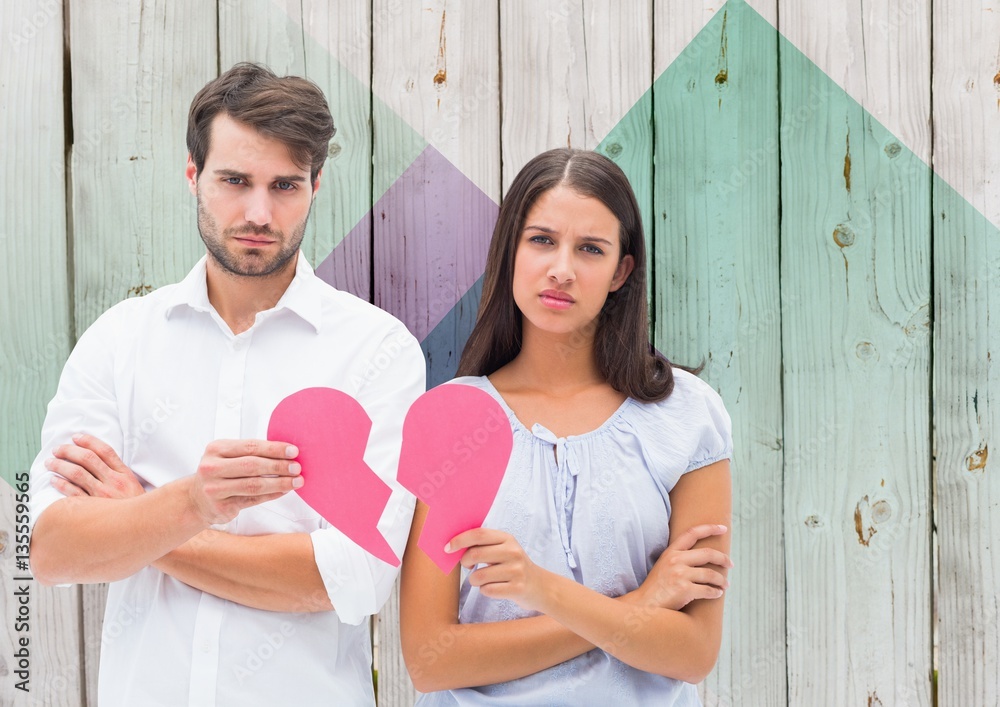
(688, 430)
(713, 427)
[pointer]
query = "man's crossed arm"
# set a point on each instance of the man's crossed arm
(108, 527)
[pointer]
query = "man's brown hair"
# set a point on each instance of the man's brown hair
(290, 109)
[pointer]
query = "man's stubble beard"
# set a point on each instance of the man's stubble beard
(252, 263)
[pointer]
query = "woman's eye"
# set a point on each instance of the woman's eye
(540, 239)
(593, 249)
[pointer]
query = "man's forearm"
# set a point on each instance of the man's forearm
(81, 539)
(271, 572)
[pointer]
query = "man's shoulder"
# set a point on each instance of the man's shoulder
(130, 308)
(340, 305)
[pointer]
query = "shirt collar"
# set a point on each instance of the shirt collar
(301, 297)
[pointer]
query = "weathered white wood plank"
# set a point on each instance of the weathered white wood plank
(436, 71)
(394, 686)
(966, 211)
(717, 298)
(855, 286)
(296, 38)
(134, 219)
(571, 71)
(884, 65)
(35, 315)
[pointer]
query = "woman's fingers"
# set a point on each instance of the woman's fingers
(707, 556)
(476, 537)
(689, 538)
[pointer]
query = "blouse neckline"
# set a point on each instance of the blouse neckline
(516, 421)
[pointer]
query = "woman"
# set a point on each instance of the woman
(574, 596)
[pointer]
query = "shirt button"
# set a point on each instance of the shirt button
(231, 404)
(206, 646)
(237, 344)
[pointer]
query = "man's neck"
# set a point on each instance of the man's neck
(238, 298)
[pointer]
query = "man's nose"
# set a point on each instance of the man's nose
(258, 207)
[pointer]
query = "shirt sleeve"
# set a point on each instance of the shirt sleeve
(357, 583)
(85, 401)
(714, 429)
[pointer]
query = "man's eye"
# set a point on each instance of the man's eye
(285, 186)
(233, 180)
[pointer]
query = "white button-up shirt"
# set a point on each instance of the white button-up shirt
(158, 378)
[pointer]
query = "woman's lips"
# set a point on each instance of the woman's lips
(553, 299)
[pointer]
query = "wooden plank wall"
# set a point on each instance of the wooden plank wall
(966, 213)
(838, 290)
(855, 245)
(716, 297)
(36, 339)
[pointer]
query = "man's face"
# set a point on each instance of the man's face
(253, 200)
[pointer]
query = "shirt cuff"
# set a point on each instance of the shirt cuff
(347, 575)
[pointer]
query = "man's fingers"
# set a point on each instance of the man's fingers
(250, 467)
(74, 474)
(251, 487)
(87, 460)
(267, 485)
(249, 501)
(103, 450)
(233, 448)
(688, 539)
(66, 488)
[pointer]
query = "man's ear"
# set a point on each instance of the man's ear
(316, 183)
(191, 173)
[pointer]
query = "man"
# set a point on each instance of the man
(226, 589)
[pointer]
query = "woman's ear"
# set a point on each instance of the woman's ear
(625, 267)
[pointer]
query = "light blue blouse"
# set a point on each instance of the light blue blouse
(596, 511)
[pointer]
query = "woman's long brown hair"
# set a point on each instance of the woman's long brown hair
(621, 339)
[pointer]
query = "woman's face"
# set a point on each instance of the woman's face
(568, 259)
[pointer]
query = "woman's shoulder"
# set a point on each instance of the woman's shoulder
(690, 393)
(692, 420)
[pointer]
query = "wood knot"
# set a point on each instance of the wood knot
(862, 524)
(977, 460)
(843, 236)
(866, 351)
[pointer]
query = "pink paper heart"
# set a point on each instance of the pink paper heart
(331, 430)
(457, 442)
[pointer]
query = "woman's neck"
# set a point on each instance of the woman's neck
(555, 363)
